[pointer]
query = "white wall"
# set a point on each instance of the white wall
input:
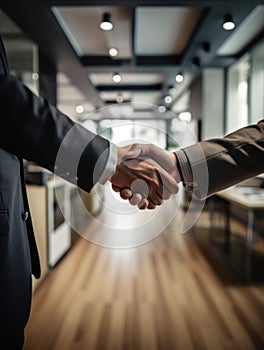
(257, 85)
(212, 103)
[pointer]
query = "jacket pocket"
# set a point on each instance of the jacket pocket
(4, 222)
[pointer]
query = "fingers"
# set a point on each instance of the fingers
(126, 193)
(143, 204)
(143, 182)
(115, 188)
(153, 191)
(151, 206)
(135, 199)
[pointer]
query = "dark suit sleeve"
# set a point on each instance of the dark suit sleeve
(222, 162)
(33, 129)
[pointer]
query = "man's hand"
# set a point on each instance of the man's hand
(155, 167)
(167, 160)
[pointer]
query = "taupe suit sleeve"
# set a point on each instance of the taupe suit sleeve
(228, 160)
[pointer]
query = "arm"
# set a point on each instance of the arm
(33, 129)
(229, 160)
(212, 165)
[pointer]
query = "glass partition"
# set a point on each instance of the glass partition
(128, 131)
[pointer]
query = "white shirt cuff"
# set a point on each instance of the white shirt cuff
(110, 165)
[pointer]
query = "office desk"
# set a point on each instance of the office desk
(243, 253)
(249, 198)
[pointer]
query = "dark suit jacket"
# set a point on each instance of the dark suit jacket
(30, 128)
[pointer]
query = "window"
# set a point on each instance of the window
(237, 97)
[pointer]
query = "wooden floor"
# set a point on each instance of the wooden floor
(172, 293)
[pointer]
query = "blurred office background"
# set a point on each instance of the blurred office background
(162, 64)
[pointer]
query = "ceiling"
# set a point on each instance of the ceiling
(156, 40)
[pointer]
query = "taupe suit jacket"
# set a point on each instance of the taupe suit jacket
(228, 160)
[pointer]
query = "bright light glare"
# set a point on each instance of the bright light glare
(228, 25)
(168, 99)
(113, 51)
(35, 76)
(243, 104)
(116, 78)
(179, 78)
(185, 117)
(79, 109)
(106, 25)
(162, 109)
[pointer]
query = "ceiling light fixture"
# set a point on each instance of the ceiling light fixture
(35, 76)
(228, 23)
(119, 98)
(168, 99)
(113, 52)
(179, 78)
(106, 23)
(162, 109)
(116, 78)
(79, 109)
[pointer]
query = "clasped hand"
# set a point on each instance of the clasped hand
(145, 175)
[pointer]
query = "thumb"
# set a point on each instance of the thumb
(134, 151)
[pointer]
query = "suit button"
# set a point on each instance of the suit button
(25, 216)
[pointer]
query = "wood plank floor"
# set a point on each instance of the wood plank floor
(172, 293)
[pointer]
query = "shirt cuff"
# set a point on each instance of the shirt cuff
(186, 170)
(110, 164)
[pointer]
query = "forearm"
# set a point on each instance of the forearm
(228, 160)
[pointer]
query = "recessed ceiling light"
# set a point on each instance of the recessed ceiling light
(79, 109)
(168, 99)
(228, 23)
(162, 109)
(106, 23)
(116, 78)
(113, 51)
(119, 98)
(179, 78)
(35, 76)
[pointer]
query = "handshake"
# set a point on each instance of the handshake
(145, 175)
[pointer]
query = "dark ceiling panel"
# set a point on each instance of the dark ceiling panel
(132, 87)
(38, 23)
